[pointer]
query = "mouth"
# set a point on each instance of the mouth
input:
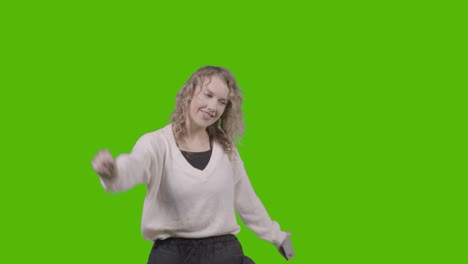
(206, 115)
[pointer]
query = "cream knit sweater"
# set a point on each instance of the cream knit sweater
(182, 201)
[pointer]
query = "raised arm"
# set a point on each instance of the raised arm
(127, 170)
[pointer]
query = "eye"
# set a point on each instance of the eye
(208, 95)
(223, 102)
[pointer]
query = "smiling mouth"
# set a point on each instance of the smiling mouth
(207, 115)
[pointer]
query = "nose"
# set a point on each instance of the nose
(212, 105)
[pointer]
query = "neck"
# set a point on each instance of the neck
(194, 131)
(196, 138)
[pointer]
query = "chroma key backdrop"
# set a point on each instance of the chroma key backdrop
(355, 122)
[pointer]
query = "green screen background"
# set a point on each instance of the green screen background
(355, 115)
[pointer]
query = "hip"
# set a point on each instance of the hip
(225, 249)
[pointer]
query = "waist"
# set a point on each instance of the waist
(200, 241)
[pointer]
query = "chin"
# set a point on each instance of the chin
(202, 124)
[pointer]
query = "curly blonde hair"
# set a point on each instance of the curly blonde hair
(229, 128)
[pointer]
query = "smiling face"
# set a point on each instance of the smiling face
(208, 103)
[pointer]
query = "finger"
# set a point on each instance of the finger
(96, 166)
(109, 171)
(106, 164)
(99, 169)
(104, 173)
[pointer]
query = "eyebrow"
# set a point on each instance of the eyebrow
(225, 99)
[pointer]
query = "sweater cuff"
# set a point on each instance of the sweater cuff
(280, 238)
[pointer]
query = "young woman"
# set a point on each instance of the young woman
(195, 178)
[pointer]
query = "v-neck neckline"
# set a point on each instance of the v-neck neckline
(185, 165)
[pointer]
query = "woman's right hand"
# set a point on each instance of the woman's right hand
(104, 164)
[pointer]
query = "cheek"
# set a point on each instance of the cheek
(193, 108)
(198, 102)
(221, 110)
(200, 98)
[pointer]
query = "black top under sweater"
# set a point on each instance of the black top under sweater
(198, 160)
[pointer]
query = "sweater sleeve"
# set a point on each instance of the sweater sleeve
(251, 210)
(133, 168)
